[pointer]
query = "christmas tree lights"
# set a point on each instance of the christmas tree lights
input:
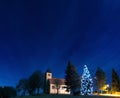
(86, 82)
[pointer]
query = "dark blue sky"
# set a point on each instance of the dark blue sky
(41, 34)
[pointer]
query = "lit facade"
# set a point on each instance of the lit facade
(52, 89)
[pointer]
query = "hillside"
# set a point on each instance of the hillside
(65, 96)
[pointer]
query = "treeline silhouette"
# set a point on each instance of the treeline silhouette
(36, 83)
(32, 85)
(7, 92)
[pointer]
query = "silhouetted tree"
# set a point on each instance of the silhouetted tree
(36, 81)
(46, 87)
(115, 81)
(7, 92)
(46, 83)
(72, 78)
(100, 78)
(1, 92)
(22, 86)
(39, 80)
(57, 83)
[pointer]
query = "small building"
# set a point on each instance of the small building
(55, 85)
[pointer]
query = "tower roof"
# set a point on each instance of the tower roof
(48, 70)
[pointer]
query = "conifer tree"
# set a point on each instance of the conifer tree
(86, 82)
(72, 79)
(115, 81)
(100, 78)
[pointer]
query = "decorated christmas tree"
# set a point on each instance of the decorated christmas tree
(86, 82)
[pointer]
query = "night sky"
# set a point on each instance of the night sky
(41, 34)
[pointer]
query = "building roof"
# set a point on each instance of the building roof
(57, 81)
(48, 70)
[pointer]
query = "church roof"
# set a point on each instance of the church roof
(48, 70)
(57, 81)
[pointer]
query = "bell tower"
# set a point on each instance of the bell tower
(48, 75)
